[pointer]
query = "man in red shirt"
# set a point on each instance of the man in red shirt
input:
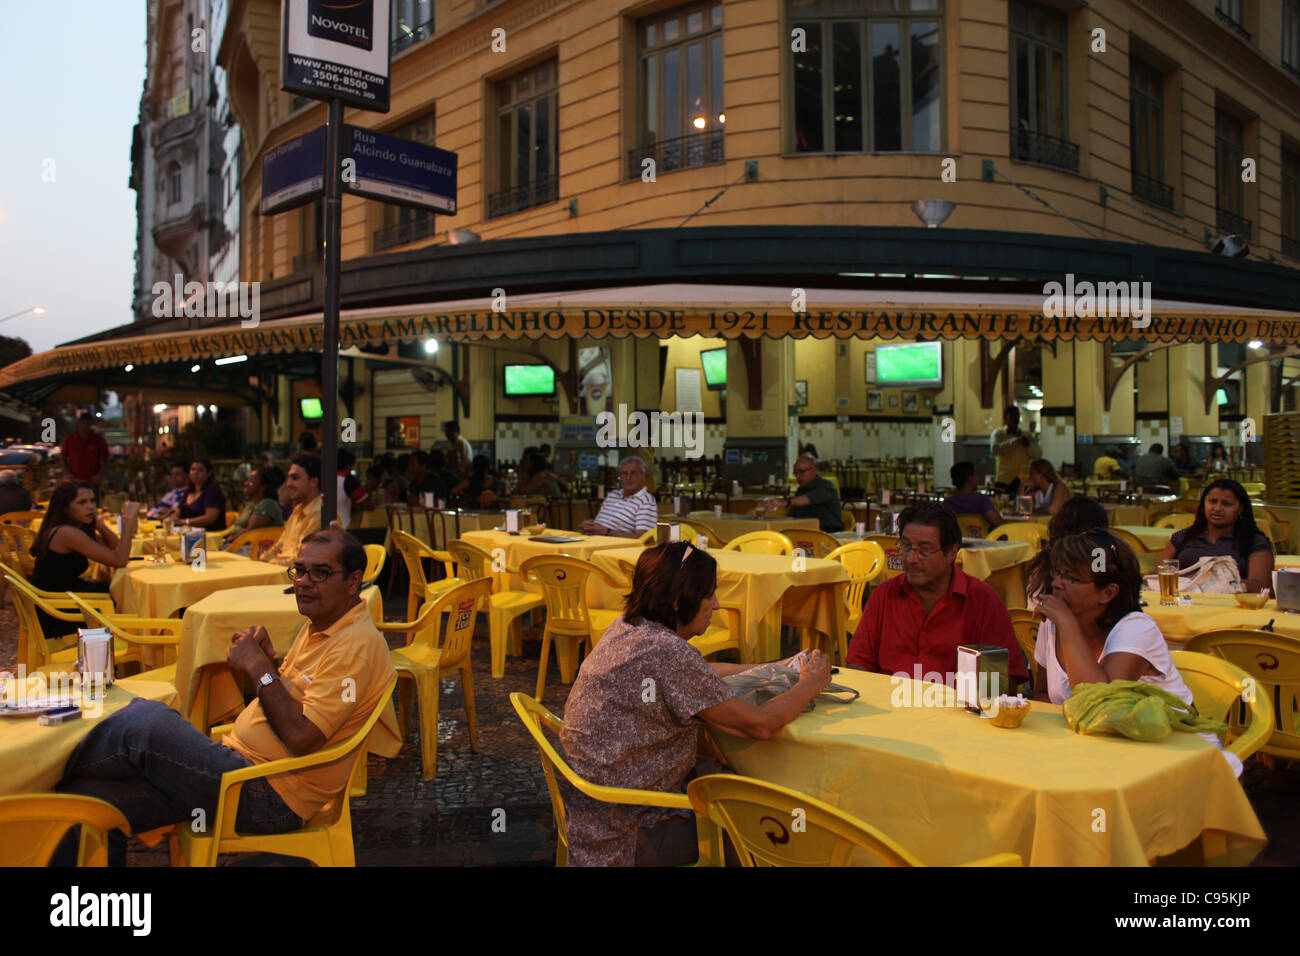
(85, 451)
(914, 622)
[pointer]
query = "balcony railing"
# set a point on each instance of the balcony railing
(1153, 191)
(404, 232)
(1291, 247)
(1240, 30)
(308, 259)
(1230, 224)
(404, 36)
(524, 197)
(684, 152)
(1028, 146)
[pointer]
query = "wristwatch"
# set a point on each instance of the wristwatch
(266, 680)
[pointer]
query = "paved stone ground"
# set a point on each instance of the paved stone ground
(404, 821)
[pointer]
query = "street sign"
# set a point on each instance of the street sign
(337, 49)
(294, 172)
(401, 171)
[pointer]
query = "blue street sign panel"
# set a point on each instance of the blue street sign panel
(401, 171)
(733, 456)
(294, 172)
(337, 50)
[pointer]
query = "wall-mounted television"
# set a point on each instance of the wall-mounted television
(525, 380)
(714, 363)
(910, 364)
(311, 408)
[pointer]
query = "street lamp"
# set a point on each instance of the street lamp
(36, 309)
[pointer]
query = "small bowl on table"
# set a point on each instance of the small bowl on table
(1011, 712)
(1251, 600)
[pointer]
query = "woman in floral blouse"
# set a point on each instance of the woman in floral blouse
(630, 718)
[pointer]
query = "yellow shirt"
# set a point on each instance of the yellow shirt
(303, 520)
(1105, 467)
(339, 677)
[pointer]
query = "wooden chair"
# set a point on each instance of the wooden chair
(761, 542)
(813, 543)
(747, 809)
(505, 608)
(258, 540)
(1273, 662)
(1221, 690)
(325, 839)
(429, 655)
(568, 618)
(33, 825)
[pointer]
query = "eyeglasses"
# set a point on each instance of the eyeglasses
(925, 552)
(315, 575)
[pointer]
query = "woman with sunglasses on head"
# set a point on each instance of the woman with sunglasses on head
(630, 719)
(1225, 525)
(1076, 515)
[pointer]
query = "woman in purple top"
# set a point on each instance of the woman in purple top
(205, 503)
(1225, 525)
(965, 500)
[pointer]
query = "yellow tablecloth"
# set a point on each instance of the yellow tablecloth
(1286, 560)
(142, 544)
(1153, 539)
(1214, 612)
(519, 547)
(768, 588)
(952, 788)
(733, 525)
(1126, 515)
(153, 590)
(33, 757)
(208, 625)
(469, 521)
(980, 562)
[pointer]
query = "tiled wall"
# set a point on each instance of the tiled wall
(513, 437)
(1150, 431)
(1057, 439)
(869, 439)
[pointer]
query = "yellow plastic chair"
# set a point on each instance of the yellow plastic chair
(813, 543)
(888, 544)
(16, 555)
(1146, 558)
(761, 542)
(33, 825)
(126, 630)
(376, 556)
(751, 812)
(865, 562)
(974, 526)
(716, 637)
(420, 588)
(1173, 519)
(1010, 583)
(20, 517)
(1273, 661)
(1030, 532)
(325, 839)
(1218, 688)
(1025, 625)
(428, 656)
(258, 539)
(534, 716)
(689, 531)
(505, 608)
(569, 621)
(231, 518)
(46, 656)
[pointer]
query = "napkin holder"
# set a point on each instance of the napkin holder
(192, 542)
(82, 665)
(512, 521)
(667, 531)
(983, 674)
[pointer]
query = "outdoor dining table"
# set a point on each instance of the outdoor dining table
(1153, 539)
(979, 557)
(160, 590)
(770, 589)
(142, 544)
(517, 548)
(33, 757)
(952, 788)
(1214, 612)
(206, 630)
(733, 524)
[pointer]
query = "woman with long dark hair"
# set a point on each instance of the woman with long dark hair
(1225, 525)
(481, 485)
(1076, 515)
(205, 503)
(263, 509)
(630, 717)
(72, 535)
(1049, 490)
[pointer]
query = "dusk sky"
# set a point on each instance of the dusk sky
(71, 75)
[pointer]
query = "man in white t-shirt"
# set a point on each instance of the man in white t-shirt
(629, 512)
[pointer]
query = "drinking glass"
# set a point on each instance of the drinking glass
(1167, 571)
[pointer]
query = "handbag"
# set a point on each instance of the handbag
(1215, 574)
(763, 682)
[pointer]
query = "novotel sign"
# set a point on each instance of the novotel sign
(337, 49)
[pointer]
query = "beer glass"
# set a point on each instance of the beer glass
(1167, 571)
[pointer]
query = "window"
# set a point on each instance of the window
(311, 235)
(1291, 204)
(1146, 134)
(526, 141)
(174, 183)
(1229, 135)
(402, 224)
(1291, 36)
(679, 90)
(1039, 108)
(1229, 12)
(866, 75)
(412, 21)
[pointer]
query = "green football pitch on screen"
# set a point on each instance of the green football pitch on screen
(906, 363)
(530, 380)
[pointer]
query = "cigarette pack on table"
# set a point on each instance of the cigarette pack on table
(192, 542)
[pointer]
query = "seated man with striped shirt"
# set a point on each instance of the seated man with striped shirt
(628, 513)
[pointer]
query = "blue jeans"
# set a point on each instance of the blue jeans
(151, 764)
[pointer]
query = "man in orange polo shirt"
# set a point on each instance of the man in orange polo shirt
(151, 764)
(913, 623)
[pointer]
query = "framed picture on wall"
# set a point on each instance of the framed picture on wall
(911, 402)
(893, 401)
(801, 392)
(875, 400)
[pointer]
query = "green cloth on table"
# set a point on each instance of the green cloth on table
(1134, 709)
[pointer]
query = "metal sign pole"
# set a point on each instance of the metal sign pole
(329, 470)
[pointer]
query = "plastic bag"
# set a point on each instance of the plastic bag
(762, 682)
(1214, 574)
(1134, 709)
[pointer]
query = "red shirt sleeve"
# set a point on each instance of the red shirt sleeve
(864, 649)
(995, 628)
